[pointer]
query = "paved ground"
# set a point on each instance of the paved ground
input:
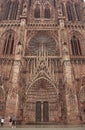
(45, 127)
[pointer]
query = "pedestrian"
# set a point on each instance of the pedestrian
(10, 121)
(13, 121)
(2, 121)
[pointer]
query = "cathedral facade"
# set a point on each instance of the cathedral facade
(42, 61)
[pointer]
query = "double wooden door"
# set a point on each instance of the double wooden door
(42, 111)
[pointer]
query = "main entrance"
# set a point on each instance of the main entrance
(41, 103)
(42, 111)
(39, 81)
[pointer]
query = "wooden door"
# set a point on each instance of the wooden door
(45, 112)
(38, 111)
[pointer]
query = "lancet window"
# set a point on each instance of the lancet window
(78, 11)
(37, 12)
(63, 9)
(13, 10)
(10, 10)
(70, 11)
(75, 46)
(8, 44)
(47, 12)
(6, 10)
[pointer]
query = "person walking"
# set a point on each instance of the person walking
(2, 121)
(10, 121)
(13, 121)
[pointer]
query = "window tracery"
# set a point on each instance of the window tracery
(37, 12)
(70, 11)
(63, 9)
(13, 10)
(78, 11)
(8, 44)
(41, 11)
(47, 12)
(10, 10)
(75, 46)
(6, 10)
(42, 45)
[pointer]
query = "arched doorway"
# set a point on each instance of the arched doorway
(39, 98)
(42, 103)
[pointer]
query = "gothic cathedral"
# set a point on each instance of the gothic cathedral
(42, 61)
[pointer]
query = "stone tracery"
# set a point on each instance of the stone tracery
(42, 70)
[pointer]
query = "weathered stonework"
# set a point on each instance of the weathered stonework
(42, 61)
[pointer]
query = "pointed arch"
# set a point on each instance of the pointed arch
(6, 10)
(70, 11)
(40, 90)
(13, 10)
(63, 9)
(42, 78)
(47, 12)
(37, 11)
(8, 43)
(75, 46)
(10, 10)
(78, 11)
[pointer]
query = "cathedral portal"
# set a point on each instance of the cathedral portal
(41, 102)
(42, 61)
